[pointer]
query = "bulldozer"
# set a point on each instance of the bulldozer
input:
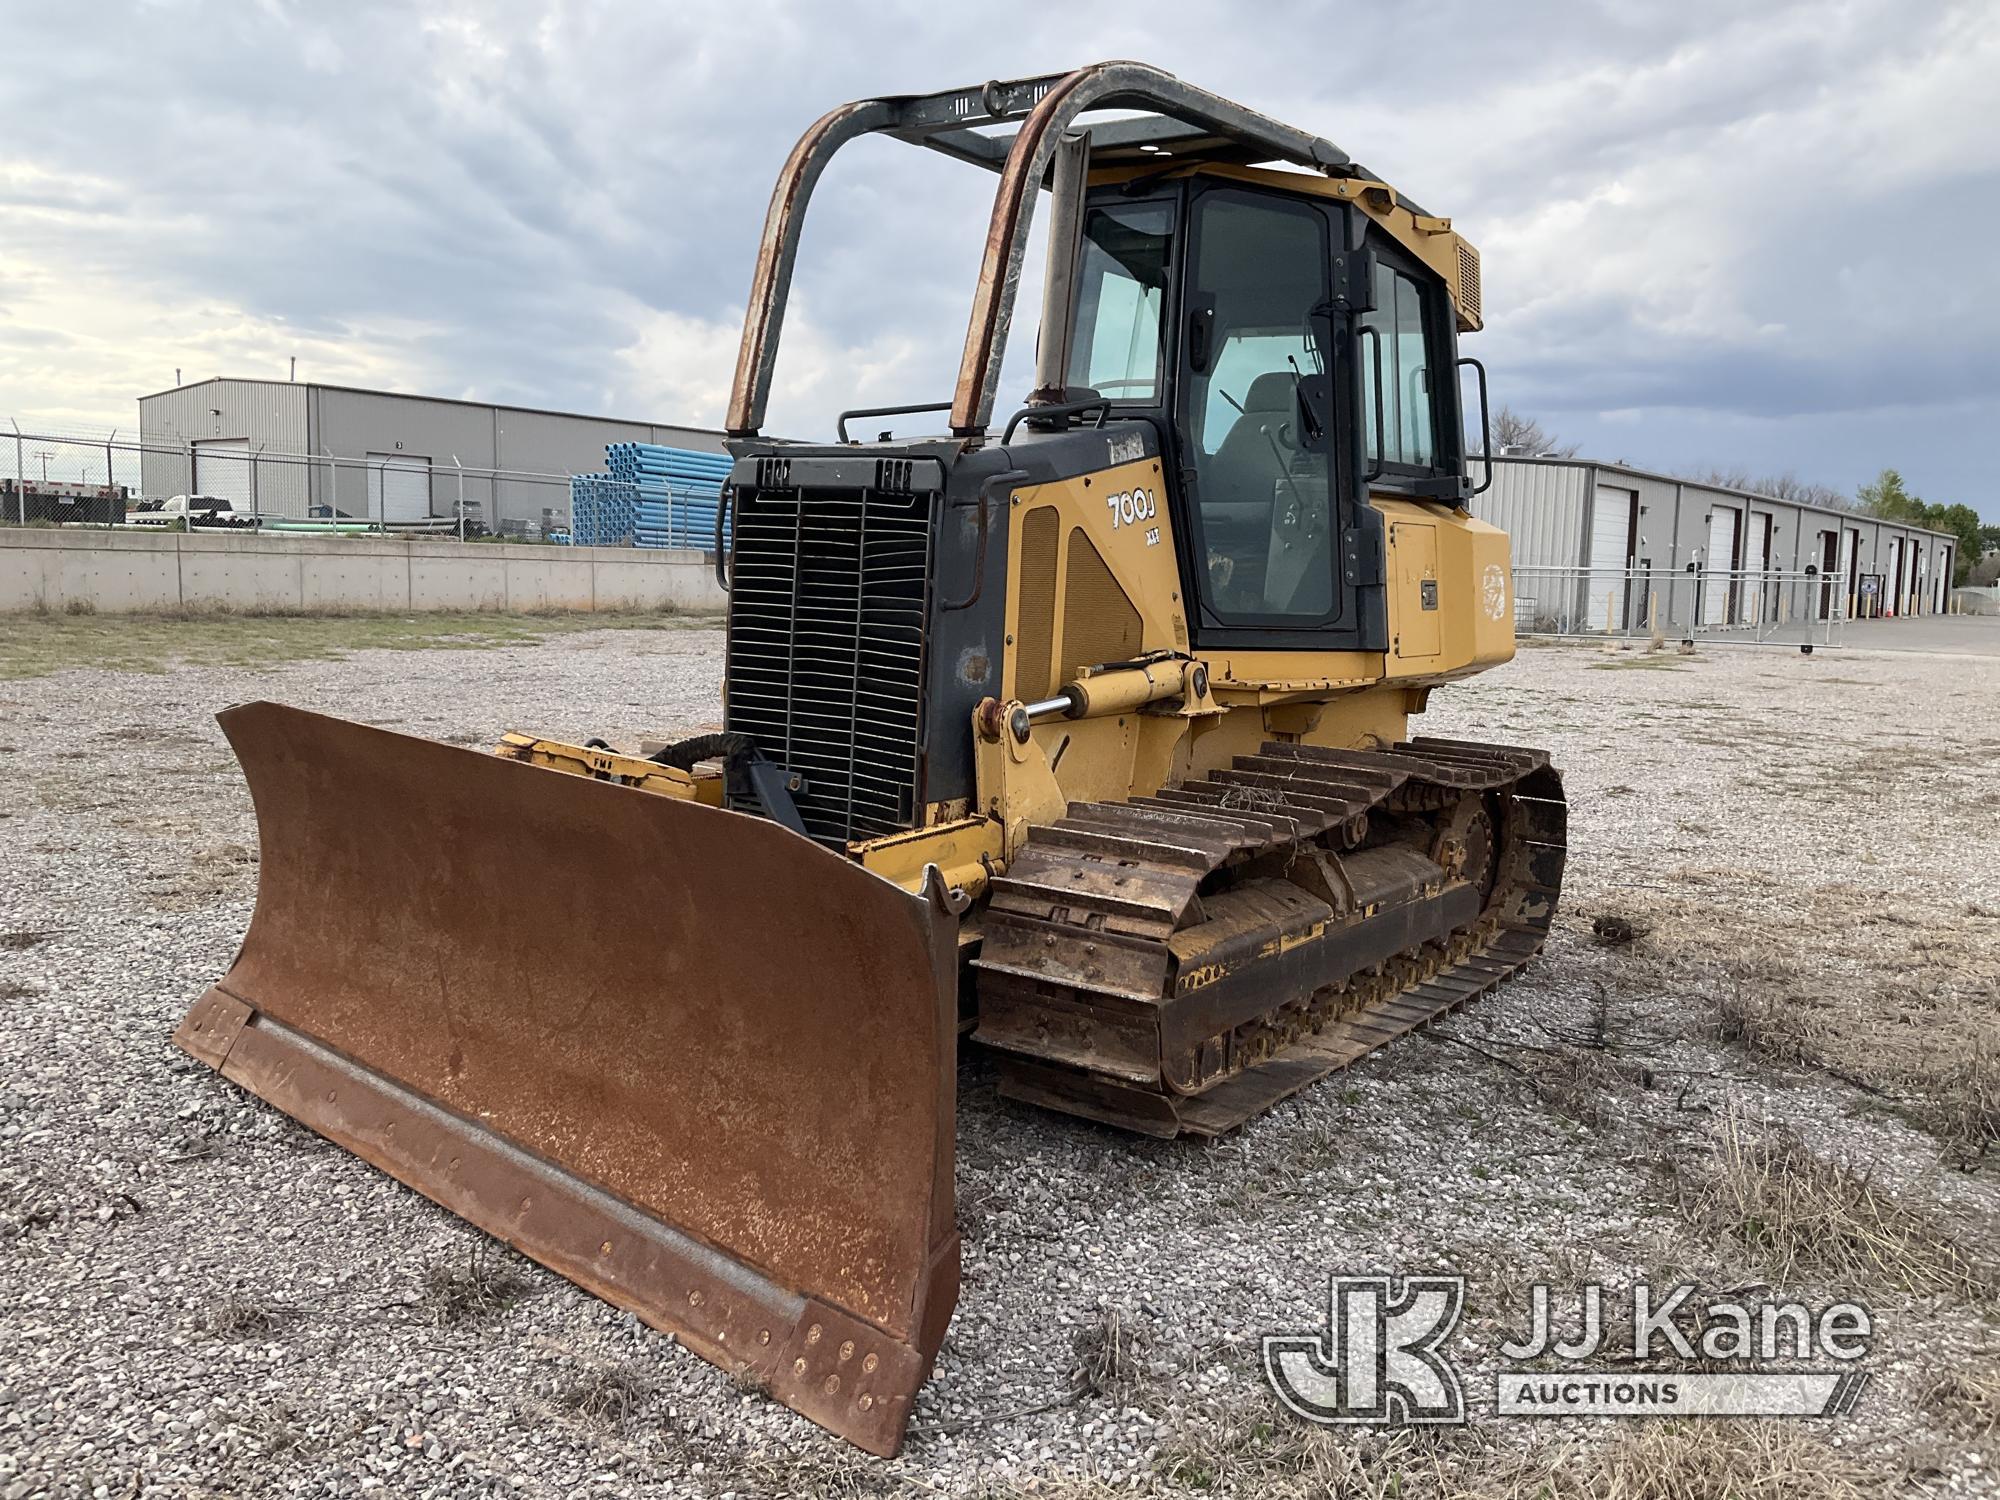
(1080, 737)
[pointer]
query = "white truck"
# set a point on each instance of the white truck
(199, 512)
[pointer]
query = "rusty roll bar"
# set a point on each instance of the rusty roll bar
(946, 122)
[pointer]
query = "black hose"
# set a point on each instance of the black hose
(683, 754)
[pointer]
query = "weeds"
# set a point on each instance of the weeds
(1708, 1460)
(1250, 1449)
(1772, 1025)
(1797, 1216)
(1963, 1108)
(602, 1396)
(20, 942)
(486, 1286)
(152, 643)
(1111, 1353)
(239, 1318)
(1966, 1398)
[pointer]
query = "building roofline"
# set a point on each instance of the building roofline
(1719, 489)
(362, 390)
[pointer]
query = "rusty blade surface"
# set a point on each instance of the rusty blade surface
(685, 1057)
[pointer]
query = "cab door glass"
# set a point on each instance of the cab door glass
(1257, 412)
(1406, 420)
(1121, 299)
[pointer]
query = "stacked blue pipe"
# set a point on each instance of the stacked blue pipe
(602, 511)
(678, 491)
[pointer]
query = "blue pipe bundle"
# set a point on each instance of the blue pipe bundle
(602, 511)
(678, 491)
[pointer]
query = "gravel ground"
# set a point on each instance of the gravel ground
(199, 1297)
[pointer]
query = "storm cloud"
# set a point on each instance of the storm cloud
(1713, 234)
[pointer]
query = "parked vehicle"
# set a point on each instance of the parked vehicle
(199, 512)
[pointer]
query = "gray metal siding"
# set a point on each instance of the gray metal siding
(318, 420)
(349, 424)
(1543, 505)
(269, 415)
(1543, 508)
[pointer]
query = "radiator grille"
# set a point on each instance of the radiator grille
(1034, 655)
(826, 649)
(1468, 284)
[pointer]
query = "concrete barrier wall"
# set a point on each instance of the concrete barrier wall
(119, 572)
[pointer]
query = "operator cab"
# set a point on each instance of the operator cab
(1294, 359)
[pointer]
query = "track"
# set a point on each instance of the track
(1177, 964)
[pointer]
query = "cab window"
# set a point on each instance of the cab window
(1408, 412)
(1121, 301)
(1256, 407)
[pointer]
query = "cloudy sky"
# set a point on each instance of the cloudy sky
(1714, 234)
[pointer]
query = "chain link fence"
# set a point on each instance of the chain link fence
(1743, 606)
(62, 474)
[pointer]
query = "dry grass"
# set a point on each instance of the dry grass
(1658, 1460)
(1797, 1216)
(153, 643)
(1900, 1004)
(1242, 1452)
(484, 1287)
(1966, 1398)
(1252, 1449)
(1111, 1353)
(242, 1318)
(1764, 1016)
(20, 942)
(602, 1396)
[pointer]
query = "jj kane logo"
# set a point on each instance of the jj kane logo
(1382, 1358)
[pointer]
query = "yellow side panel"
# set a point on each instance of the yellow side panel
(1472, 627)
(1415, 604)
(1116, 584)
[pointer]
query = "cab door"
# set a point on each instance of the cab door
(1265, 490)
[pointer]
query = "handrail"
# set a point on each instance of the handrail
(840, 424)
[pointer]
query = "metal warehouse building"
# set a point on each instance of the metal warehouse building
(1607, 520)
(278, 447)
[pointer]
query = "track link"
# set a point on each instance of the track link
(1177, 964)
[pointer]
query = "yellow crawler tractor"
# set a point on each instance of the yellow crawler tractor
(1084, 733)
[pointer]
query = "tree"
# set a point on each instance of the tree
(1785, 486)
(1963, 522)
(1889, 498)
(1886, 496)
(1511, 430)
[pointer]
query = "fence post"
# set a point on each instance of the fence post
(461, 495)
(20, 476)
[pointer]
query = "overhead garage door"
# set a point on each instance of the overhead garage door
(1610, 558)
(1721, 558)
(222, 469)
(399, 487)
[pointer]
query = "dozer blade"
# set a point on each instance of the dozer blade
(688, 1059)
